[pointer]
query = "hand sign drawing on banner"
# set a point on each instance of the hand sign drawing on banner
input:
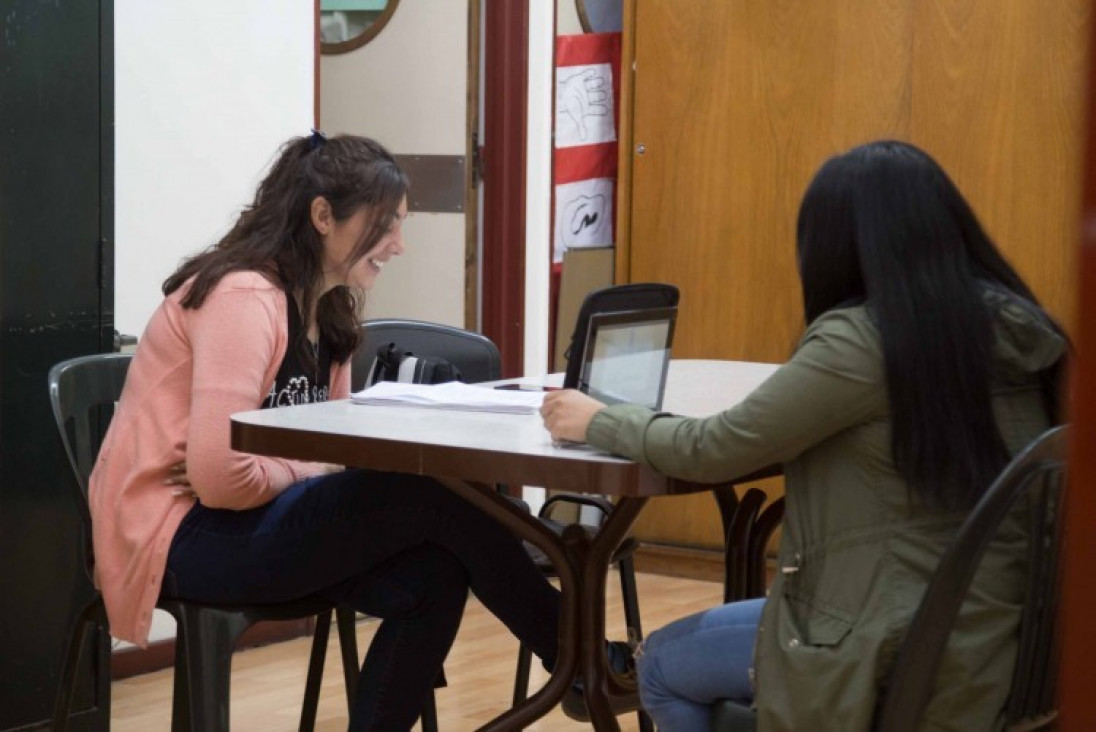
(584, 95)
(584, 105)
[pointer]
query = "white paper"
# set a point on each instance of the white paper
(584, 105)
(584, 215)
(453, 395)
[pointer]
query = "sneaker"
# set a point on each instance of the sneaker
(622, 663)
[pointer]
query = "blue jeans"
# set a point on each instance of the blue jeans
(686, 666)
(400, 547)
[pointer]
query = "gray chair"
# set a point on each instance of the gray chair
(478, 360)
(1037, 472)
(82, 393)
(475, 355)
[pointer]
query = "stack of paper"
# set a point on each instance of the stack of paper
(453, 395)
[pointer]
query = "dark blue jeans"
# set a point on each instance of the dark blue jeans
(399, 547)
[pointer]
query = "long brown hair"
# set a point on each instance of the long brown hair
(275, 236)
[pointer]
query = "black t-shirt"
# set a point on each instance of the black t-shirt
(295, 383)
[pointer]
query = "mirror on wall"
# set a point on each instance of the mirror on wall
(600, 16)
(349, 24)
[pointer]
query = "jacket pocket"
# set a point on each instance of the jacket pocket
(817, 622)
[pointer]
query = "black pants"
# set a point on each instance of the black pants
(399, 547)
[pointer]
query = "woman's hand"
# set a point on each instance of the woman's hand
(176, 475)
(567, 414)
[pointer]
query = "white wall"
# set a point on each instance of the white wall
(205, 92)
(567, 21)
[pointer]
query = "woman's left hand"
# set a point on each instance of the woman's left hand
(176, 475)
(567, 414)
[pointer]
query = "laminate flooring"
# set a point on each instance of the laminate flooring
(268, 682)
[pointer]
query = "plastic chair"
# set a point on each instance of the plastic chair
(619, 298)
(475, 355)
(478, 360)
(1038, 472)
(82, 393)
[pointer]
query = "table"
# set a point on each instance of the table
(471, 452)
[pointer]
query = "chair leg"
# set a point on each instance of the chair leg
(626, 568)
(628, 590)
(345, 619)
(208, 637)
(180, 694)
(429, 716)
(85, 621)
(521, 677)
(315, 672)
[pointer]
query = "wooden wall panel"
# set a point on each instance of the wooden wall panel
(1078, 704)
(998, 91)
(737, 102)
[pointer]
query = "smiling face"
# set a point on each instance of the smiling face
(341, 240)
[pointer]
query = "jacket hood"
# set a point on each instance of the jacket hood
(1025, 341)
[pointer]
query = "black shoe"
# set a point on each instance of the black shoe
(622, 663)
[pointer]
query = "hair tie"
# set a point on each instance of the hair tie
(316, 140)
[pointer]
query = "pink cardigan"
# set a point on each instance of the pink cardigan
(192, 370)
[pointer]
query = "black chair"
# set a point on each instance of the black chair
(1038, 472)
(475, 355)
(619, 298)
(478, 360)
(747, 530)
(82, 393)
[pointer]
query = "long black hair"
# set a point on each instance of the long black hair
(275, 235)
(883, 225)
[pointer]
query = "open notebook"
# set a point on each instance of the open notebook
(452, 395)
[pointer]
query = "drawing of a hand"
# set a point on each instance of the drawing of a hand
(583, 95)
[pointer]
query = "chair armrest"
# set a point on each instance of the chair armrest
(599, 502)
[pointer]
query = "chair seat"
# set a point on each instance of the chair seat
(292, 610)
(729, 716)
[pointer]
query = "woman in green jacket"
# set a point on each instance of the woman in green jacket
(925, 364)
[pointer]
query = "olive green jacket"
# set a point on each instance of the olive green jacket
(857, 548)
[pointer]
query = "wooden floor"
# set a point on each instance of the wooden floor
(267, 683)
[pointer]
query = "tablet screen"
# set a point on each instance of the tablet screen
(627, 356)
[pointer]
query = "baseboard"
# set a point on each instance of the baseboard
(680, 561)
(161, 654)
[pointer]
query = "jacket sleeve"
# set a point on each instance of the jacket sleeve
(833, 382)
(236, 339)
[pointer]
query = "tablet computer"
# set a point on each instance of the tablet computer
(627, 355)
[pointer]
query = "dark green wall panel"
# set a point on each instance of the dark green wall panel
(56, 264)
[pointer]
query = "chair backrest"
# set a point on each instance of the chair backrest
(634, 296)
(77, 389)
(1037, 471)
(474, 354)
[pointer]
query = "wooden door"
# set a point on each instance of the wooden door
(414, 87)
(733, 104)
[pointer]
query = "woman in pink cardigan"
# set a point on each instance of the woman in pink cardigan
(265, 318)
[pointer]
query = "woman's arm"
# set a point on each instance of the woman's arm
(237, 339)
(833, 382)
